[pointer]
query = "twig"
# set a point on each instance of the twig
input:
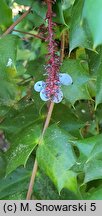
(16, 22)
(31, 184)
(33, 35)
(62, 46)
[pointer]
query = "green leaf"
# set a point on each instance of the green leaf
(7, 92)
(24, 2)
(92, 16)
(93, 165)
(2, 164)
(94, 60)
(57, 9)
(39, 13)
(15, 185)
(19, 119)
(7, 68)
(99, 115)
(95, 67)
(24, 54)
(22, 146)
(99, 86)
(82, 111)
(15, 182)
(36, 68)
(35, 19)
(93, 170)
(5, 15)
(78, 36)
(24, 25)
(87, 145)
(39, 9)
(56, 157)
(44, 189)
(8, 42)
(67, 119)
(95, 194)
(91, 148)
(96, 152)
(66, 4)
(22, 130)
(3, 110)
(16, 196)
(78, 90)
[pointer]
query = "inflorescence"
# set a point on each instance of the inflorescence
(51, 88)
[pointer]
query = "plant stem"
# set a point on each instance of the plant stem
(50, 109)
(31, 184)
(16, 22)
(35, 167)
(33, 35)
(62, 46)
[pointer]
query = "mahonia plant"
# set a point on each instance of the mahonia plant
(51, 88)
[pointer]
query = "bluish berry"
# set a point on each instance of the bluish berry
(43, 95)
(39, 86)
(65, 79)
(57, 98)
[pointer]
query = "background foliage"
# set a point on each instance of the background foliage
(70, 157)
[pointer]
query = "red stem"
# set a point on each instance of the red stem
(50, 31)
(33, 35)
(53, 58)
(16, 22)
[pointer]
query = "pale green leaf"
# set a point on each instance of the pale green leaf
(92, 16)
(93, 170)
(87, 145)
(78, 90)
(78, 36)
(8, 49)
(56, 157)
